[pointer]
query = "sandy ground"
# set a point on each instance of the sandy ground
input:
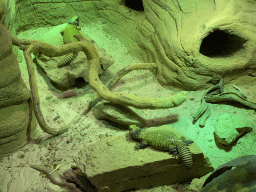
(61, 149)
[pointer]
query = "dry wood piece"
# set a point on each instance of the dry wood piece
(34, 46)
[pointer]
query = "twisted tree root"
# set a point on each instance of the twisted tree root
(131, 100)
(126, 99)
(117, 77)
(34, 46)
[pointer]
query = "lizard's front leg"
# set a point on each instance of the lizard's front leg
(174, 151)
(187, 142)
(141, 146)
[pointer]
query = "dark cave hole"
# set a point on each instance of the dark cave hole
(136, 5)
(220, 44)
(80, 82)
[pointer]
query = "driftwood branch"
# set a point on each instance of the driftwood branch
(34, 46)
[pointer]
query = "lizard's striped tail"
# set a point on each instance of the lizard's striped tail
(185, 154)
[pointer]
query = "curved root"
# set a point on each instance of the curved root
(87, 47)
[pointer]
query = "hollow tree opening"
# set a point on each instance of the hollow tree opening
(136, 5)
(221, 44)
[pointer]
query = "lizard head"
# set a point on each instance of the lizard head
(74, 21)
(134, 131)
(132, 127)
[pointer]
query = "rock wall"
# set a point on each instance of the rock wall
(116, 18)
(7, 14)
(194, 43)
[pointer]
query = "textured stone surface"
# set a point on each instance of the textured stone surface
(194, 35)
(229, 127)
(197, 184)
(112, 164)
(15, 127)
(235, 175)
(66, 76)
